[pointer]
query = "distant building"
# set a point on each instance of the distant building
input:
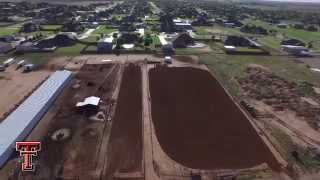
(5, 47)
(73, 26)
(182, 41)
(60, 40)
(7, 38)
(26, 47)
(293, 42)
(282, 25)
(166, 47)
(105, 45)
(240, 41)
(296, 50)
(29, 27)
(180, 26)
(167, 24)
(127, 27)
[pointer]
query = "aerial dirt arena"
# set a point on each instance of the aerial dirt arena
(195, 117)
(125, 146)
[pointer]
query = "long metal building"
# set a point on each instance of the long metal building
(18, 125)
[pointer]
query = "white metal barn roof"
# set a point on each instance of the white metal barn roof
(92, 100)
(20, 122)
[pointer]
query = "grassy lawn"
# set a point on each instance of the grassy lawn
(270, 41)
(8, 31)
(103, 30)
(92, 38)
(36, 58)
(227, 67)
(51, 27)
(70, 51)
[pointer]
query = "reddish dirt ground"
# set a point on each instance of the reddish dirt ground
(125, 148)
(199, 126)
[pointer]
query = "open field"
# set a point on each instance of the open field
(227, 67)
(193, 115)
(125, 146)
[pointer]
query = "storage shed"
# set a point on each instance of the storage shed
(18, 125)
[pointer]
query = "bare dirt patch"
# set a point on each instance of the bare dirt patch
(198, 125)
(16, 86)
(125, 148)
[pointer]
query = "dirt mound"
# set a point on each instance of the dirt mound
(273, 90)
(125, 148)
(198, 124)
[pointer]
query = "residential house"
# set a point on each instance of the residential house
(240, 41)
(293, 42)
(105, 45)
(26, 47)
(183, 40)
(60, 40)
(29, 27)
(73, 26)
(5, 47)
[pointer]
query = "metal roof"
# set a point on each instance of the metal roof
(92, 100)
(21, 121)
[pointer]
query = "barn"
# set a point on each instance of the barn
(18, 125)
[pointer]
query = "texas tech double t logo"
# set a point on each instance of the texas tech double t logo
(28, 150)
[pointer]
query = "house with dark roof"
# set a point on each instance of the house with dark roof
(73, 26)
(7, 38)
(60, 40)
(183, 40)
(29, 27)
(5, 47)
(240, 41)
(105, 45)
(293, 42)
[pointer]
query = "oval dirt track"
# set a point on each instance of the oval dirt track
(198, 124)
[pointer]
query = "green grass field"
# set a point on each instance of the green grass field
(70, 51)
(104, 30)
(8, 31)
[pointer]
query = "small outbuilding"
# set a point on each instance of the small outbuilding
(89, 106)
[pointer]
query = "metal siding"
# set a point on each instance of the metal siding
(20, 122)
